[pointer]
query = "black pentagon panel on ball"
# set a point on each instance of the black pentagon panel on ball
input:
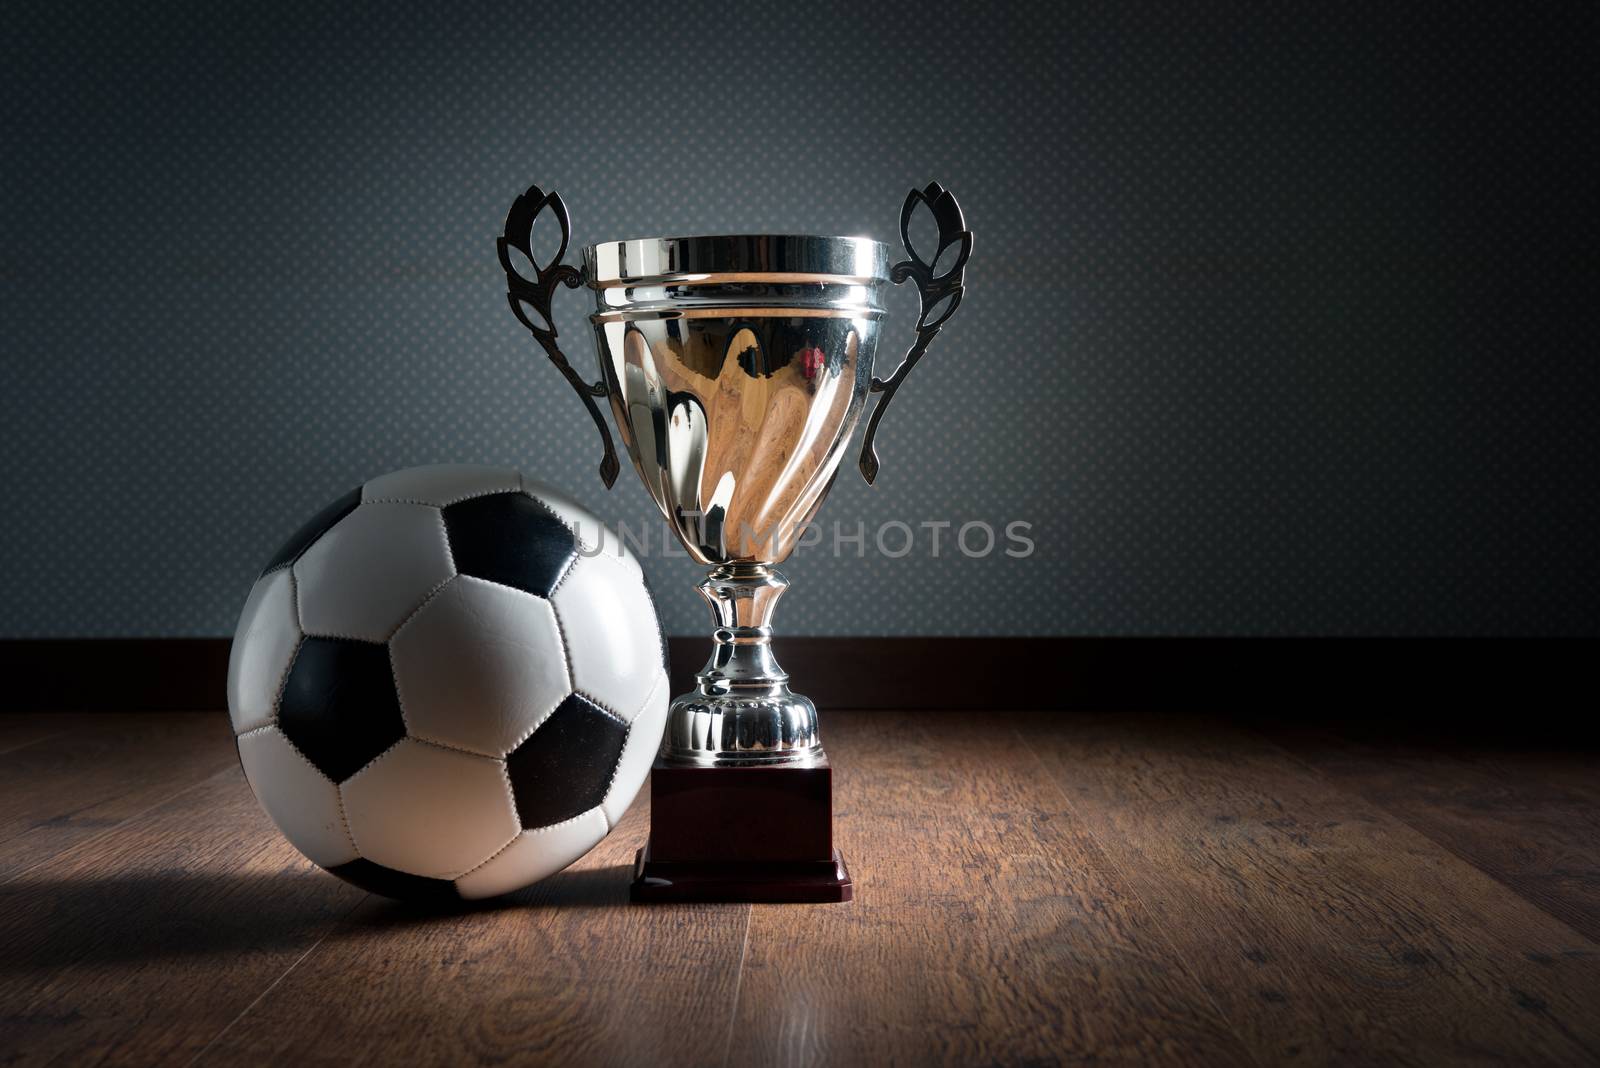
(339, 707)
(565, 766)
(400, 885)
(313, 529)
(511, 539)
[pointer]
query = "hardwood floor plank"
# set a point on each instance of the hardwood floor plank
(987, 928)
(1030, 888)
(18, 729)
(1326, 929)
(139, 946)
(70, 787)
(566, 971)
(1530, 819)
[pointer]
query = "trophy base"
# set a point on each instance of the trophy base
(760, 883)
(758, 834)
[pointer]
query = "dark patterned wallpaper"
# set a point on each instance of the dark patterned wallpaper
(1279, 321)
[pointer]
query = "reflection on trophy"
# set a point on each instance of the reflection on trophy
(737, 368)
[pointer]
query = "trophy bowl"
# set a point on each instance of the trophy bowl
(736, 368)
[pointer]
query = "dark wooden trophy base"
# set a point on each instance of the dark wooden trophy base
(740, 834)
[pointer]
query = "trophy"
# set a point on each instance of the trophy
(737, 368)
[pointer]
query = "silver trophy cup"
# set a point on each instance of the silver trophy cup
(737, 368)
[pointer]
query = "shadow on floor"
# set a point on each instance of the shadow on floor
(48, 924)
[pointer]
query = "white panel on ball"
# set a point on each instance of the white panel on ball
(441, 484)
(535, 854)
(479, 666)
(612, 637)
(639, 751)
(430, 811)
(371, 570)
(263, 646)
(594, 537)
(298, 797)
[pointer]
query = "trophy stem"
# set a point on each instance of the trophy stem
(741, 712)
(741, 796)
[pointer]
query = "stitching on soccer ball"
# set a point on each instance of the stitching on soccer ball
(338, 790)
(511, 793)
(603, 707)
(537, 724)
(350, 835)
(451, 748)
(616, 769)
(571, 528)
(429, 596)
(486, 861)
(371, 763)
(566, 654)
(569, 819)
(572, 565)
(444, 536)
(458, 499)
(283, 680)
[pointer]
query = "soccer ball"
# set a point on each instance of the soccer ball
(450, 682)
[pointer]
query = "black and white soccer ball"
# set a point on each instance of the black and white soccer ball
(450, 682)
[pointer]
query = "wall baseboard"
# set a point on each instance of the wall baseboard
(1441, 680)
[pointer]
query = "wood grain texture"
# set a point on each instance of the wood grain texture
(564, 972)
(1031, 888)
(987, 927)
(138, 947)
(87, 779)
(1528, 817)
(23, 729)
(1327, 930)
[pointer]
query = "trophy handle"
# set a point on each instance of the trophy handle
(941, 295)
(527, 295)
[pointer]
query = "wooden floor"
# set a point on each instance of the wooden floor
(1030, 889)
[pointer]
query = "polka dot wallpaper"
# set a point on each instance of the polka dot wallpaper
(1276, 321)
